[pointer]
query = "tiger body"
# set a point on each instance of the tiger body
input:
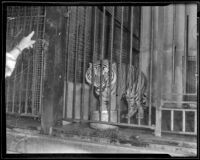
(132, 85)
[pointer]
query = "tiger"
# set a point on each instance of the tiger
(105, 86)
(133, 85)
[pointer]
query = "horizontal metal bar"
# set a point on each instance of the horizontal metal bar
(24, 115)
(177, 109)
(180, 94)
(111, 123)
(166, 101)
(176, 132)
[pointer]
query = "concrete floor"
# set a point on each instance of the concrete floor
(18, 142)
(23, 136)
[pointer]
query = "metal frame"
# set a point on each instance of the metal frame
(20, 95)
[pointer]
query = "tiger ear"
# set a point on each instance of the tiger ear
(90, 65)
(114, 66)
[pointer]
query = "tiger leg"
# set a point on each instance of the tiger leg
(140, 112)
(132, 109)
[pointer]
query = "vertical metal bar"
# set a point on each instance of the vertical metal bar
(84, 64)
(67, 68)
(8, 80)
(197, 60)
(139, 79)
(183, 122)
(42, 65)
(130, 51)
(111, 56)
(101, 60)
(17, 26)
(35, 58)
(21, 89)
(14, 92)
(27, 88)
(12, 80)
(195, 121)
(173, 45)
(185, 51)
(76, 60)
(7, 94)
(120, 67)
(93, 58)
(151, 63)
(172, 120)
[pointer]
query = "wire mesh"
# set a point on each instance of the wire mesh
(23, 86)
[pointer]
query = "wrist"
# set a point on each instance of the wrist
(19, 48)
(16, 52)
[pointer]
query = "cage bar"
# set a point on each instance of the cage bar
(172, 120)
(94, 10)
(183, 122)
(66, 82)
(111, 56)
(139, 68)
(76, 59)
(120, 61)
(42, 66)
(173, 45)
(195, 121)
(101, 59)
(185, 50)
(14, 92)
(65, 70)
(131, 52)
(21, 89)
(84, 64)
(151, 63)
(27, 88)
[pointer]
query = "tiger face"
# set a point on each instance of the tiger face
(101, 79)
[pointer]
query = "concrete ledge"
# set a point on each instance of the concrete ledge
(104, 117)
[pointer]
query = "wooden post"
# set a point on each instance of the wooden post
(54, 73)
(157, 56)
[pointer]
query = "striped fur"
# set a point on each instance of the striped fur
(133, 85)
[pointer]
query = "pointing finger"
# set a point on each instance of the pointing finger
(31, 35)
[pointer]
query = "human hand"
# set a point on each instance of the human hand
(26, 42)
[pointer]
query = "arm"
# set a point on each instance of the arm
(12, 56)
